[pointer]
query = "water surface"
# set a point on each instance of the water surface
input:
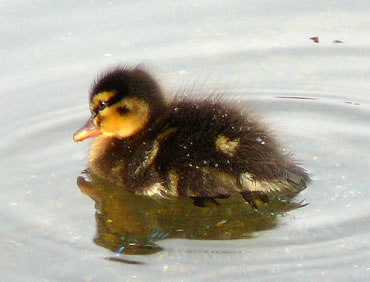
(259, 53)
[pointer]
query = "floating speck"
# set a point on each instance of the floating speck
(315, 39)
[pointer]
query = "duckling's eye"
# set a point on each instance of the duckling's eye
(102, 105)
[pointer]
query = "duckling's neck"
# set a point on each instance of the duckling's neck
(100, 156)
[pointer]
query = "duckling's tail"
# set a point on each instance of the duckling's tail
(297, 178)
(257, 193)
(292, 181)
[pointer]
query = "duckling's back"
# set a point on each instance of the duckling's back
(207, 149)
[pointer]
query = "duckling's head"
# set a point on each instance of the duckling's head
(123, 102)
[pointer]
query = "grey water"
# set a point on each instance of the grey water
(314, 96)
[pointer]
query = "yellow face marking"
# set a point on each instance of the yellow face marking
(101, 97)
(226, 145)
(113, 123)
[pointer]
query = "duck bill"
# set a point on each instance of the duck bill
(86, 131)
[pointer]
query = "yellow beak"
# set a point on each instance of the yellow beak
(86, 131)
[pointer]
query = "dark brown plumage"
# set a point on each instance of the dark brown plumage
(204, 149)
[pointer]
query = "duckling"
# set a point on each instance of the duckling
(205, 149)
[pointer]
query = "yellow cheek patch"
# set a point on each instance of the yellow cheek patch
(226, 145)
(101, 97)
(124, 125)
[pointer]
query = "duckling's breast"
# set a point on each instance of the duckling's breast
(108, 160)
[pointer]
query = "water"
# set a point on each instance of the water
(262, 51)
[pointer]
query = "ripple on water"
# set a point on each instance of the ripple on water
(329, 135)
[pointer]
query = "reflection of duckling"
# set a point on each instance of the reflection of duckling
(204, 149)
(123, 228)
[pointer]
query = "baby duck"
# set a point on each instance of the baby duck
(203, 149)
